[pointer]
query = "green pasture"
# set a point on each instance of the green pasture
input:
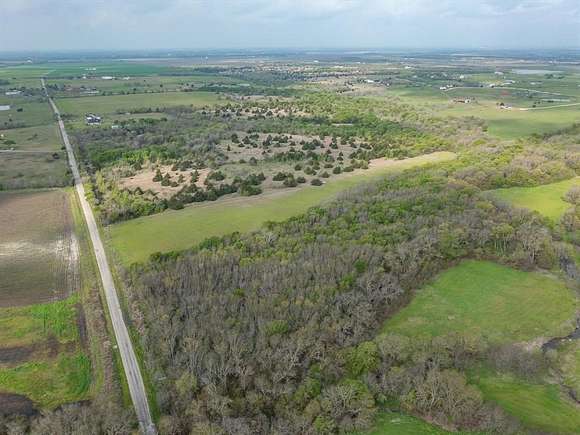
(538, 406)
(34, 112)
(487, 300)
(137, 84)
(51, 380)
(38, 138)
(546, 200)
(25, 326)
(109, 105)
(507, 124)
(136, 240)
(50, 383)
(77, 69)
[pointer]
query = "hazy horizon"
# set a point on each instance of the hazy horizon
(72, 25)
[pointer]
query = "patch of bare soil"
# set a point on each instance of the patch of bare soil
(11, 404)
(144, 180)
(38, 248)
(15, 355)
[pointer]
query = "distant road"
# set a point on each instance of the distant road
(130, 364)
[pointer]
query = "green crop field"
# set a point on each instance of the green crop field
(137, 239)
(491, 301)
(111, 104)
(546, 199)
(538, 406)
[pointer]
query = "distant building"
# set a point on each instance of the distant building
(4, 108)
(13, 92)
(107, 77)
(92, 119)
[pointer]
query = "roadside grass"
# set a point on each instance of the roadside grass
(50, 383)
(109, 105)
(538, 406)
(23, 326)
(135, 240)
(546, 199)
(490, 301)
(38, 138)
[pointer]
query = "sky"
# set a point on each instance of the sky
(213, 24)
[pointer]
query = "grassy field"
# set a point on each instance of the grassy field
(546, 199)
(538, 406)
(109, 105)
(50, 382)
(137, 239)
(507, 124)
(76, 69)
(39, 138)
(33, 324)
(32, 170)
(391, 423)
(35, 112)
(500, 305)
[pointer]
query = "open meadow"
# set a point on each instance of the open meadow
(546, 199)
(119, 104)
(497, 305)
(135, 240)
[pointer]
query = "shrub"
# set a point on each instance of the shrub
(316, 182)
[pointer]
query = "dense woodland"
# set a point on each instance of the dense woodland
(276, 332)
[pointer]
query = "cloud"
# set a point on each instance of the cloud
(236, 23)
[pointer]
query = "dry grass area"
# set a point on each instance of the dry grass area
(38, 248)
(144, 180)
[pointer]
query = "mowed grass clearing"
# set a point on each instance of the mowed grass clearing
(538, 406)
(392, 423)
(487, 300)
(546, 199)
(109, 105)
(135, 240)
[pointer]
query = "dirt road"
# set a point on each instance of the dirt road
(130, 364)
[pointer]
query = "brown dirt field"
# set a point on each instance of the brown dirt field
(38, 248)
(144, 180)
(16, 404)
(15, 355)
